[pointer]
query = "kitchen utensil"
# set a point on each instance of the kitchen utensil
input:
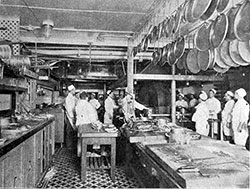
(179, 47)
(219, 60)
(224, 54)
(205, 59)
(234, 53)
(192, 62)
(200, 8)
(189, 12)
(222, 5)
(244, 50)
(231, 17)
(202, 36)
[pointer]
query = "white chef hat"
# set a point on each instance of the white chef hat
(203, 96)
(241, 92)
(109, 92)
(230, 93)
(213, 90)
(71, 87)
(182, 95)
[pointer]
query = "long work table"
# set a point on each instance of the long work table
(201, 163)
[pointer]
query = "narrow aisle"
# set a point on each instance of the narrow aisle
(67, 174)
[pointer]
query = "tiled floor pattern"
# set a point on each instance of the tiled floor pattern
(67, 174)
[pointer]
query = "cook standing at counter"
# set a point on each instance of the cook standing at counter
(226, 115)
(109, 105)
(70, 103)
(181, 102)
(201, 115)
(214, 107)
(240, 117)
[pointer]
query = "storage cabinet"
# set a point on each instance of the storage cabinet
(24, 165)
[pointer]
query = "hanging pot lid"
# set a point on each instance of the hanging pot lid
(234, 53)
(225, 56)
(211, 9)
(241, 22)
(202, 37)
(171, 25)
(218, 31)
(188, 12)
(179, 47)
(192, 62)
(159, 31)
(154, 34)
(177, 18)
(219, 69)
(222, 5)
(164, 55)
(146, 43)
(171, 57)
(219, 60)
(200, 7)
(163, 31)
(244, 50)
(231, 15)
(156, 57)
(205, 59)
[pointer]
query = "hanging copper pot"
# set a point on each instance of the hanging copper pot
(177, 18)
(231, 17)
(225, 56)
(222, 5)
(157, 56)
(163, 33)
(218, 31)
(171, 25)
(153, 34)
(234, 53)
(244, 50)
(202, 36)
(159, 30)
(211, 9)
(205, 59)
(166, 29)
(171, 56)
(192, 62)
(179, 47)
(164, 55)
(219, 69)
(241, 22)
(219, 60)
(189, 12)
(200, 8)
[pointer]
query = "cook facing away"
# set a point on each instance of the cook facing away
(201, 115)
(109, 105)
(70, 103)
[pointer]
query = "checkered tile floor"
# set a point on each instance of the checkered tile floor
(67, 174)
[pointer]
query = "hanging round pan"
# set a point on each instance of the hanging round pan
(153, 34)
(202, 37)
(192, 62)
(146, 43)
(177, 18)
(188, 12)
(179, 47)
(164, 55)
(200, 8)
(222, 5)
(241, 22)
(231, 15)
(211, 9)
(159, 30)
(171, 24)
(171, 56)
(219, 60)
(234, 53)
(225, 56)
(218, 30)
(181, 62)
(166, 27)
(219, 69)
(163, 31)
(205, 59)
(244, 50)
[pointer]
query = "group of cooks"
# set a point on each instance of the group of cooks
(81, 110)
(234, 116)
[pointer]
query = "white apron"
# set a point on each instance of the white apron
(200, 118)
(226, 118)
(109, 110)
(214, 107)
(240, 118)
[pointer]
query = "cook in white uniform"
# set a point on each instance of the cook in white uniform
(201, 115)
(70, 103)
(94, 102)
(240, 117)
(109, 105)
(226, 115)
(181, 103)
(85, 112)
(214, 107)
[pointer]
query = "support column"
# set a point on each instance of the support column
(173, 95)
(130, 68)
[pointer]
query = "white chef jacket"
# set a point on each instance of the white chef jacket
(70, 103)
(200, 117)
(109, 105)
(240, 116)
(85, 113)
(193, 102)
(95, 103)
(214, 107)
(182, 103)
(226, 118)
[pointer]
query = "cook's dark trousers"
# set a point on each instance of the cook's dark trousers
(70, 135)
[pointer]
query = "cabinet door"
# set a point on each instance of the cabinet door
(38, 156)
(52, 138)
(13, 169)
(28, 156)
(59, 124)
(1, 173)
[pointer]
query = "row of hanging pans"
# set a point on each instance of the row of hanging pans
(218, 44)
(13, 60)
